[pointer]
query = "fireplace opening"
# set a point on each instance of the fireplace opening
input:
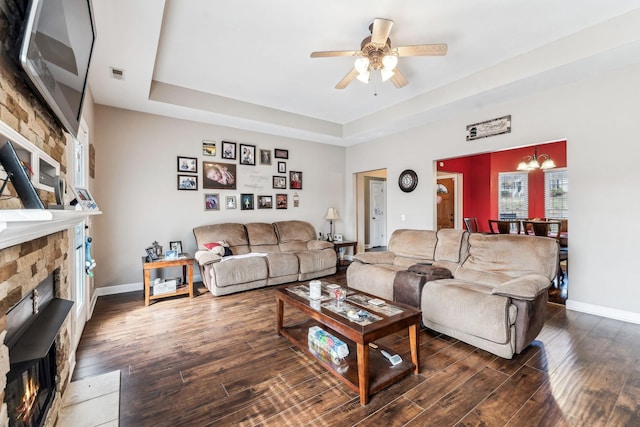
(32, 327)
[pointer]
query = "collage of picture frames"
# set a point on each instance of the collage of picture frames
(222, 175)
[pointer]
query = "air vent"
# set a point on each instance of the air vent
(117, 73)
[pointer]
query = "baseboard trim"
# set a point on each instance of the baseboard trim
(598, 310)
(128, 287)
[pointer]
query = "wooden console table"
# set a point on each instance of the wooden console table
(186, 287)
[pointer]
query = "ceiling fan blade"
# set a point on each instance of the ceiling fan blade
(423, 50)
(330, 53)
(380, 31)
(398, 79)
(347, 79)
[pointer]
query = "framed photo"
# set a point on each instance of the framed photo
(265, 157)
(187, 182)
(295, 180)
(282, 167)
(171, 255)
(281, 201)
(212, 202)
(187, 164)
(280, 182)
(265, 202)
(337, 237)
(228, 150)
(246, 202)
(280, 153)
(84, 199)
(151, 254)
(176, 246)
(231, 202)
(247, 154)
(208, 148)
(218, 176)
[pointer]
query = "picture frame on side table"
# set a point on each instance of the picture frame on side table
(176, 246)
(188, 182)
(84, 199)
(228, 150)
(212, 202)
(187, 164)
(281, 201)
(247, 154)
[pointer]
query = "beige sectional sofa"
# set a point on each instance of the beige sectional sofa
(496, 298)
(263, 255)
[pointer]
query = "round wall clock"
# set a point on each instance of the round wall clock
(408, 180)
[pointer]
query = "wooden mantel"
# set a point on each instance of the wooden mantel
(22, 225)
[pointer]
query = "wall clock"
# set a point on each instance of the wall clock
(408, 180)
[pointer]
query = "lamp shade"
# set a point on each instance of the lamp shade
(332, 214)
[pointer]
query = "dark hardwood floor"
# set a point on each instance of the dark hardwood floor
(217, 361)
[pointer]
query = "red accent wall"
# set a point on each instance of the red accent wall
(480, 179)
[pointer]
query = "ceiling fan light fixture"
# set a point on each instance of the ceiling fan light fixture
(364, 77)
(389, 62)
(386, 74)
(361, 65)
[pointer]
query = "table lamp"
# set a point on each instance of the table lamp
(332, 214)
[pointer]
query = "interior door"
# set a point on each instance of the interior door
(377, 217)
(446, 204)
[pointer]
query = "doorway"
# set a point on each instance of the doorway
(371, 209)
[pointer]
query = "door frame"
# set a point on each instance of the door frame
(457, 202)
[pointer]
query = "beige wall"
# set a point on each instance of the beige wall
(599, 119)
(136, 179)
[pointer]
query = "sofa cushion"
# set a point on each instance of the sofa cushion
(294, 231)
(282, 264)
(239, 270)
(234, 234)
(450, 243)
(416, 244)
(262, 237)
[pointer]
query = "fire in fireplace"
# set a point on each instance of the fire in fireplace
(32, 326)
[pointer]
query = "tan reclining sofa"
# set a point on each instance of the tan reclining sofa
(496, 296)
(262, 255)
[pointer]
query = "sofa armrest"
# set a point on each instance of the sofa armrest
(375, 257)
(206, 257)
(318, 244)
(525, 288)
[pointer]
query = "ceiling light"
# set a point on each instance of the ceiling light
(361, 64)
(529, 163)
(364, 77)
(386, 74)
(389, 62)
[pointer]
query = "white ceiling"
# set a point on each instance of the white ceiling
(246, 64)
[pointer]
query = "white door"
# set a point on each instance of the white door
(377, 217)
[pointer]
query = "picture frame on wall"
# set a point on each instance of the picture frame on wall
(218, 176)
(280, 153)
(280, 182)
(176, 246)
(231, 202)
(188, 182)
(247, 154)
(265, 202)
(187, 164)
(246, 202)
(208, 148)
(282, 167)
(265, 157)
(295, 180)
(212, 202)
(281, 201)
(228, 150)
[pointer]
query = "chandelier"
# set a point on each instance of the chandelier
(364, 66)
(543, 161)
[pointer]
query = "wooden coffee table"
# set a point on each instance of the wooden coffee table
(366, 370)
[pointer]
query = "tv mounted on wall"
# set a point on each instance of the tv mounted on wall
(19, 178)
(55, 52)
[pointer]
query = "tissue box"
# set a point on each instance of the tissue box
(164, 287)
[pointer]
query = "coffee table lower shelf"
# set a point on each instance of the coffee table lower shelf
(381, 373)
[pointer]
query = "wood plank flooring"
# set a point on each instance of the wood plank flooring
(218, 361)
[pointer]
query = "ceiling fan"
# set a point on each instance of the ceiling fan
(376, 54)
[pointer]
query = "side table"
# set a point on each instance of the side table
(185, 261)
(344, 244)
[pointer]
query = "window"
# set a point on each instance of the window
(556, 193)
(513, 196)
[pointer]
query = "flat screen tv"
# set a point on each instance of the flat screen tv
(19, 178)
(55, 52)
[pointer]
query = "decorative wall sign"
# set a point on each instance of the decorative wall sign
(489, 128)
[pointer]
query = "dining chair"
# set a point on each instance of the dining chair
(471, 224)
(552, 229)
(499, 226)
